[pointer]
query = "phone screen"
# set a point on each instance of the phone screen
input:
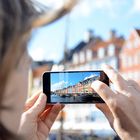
(72, 86)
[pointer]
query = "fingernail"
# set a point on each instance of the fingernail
(62, 106)
(95, 84)
(42, 97)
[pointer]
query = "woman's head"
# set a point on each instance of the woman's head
(15, 24)
(16, 18)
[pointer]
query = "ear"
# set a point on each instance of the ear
(52, 16)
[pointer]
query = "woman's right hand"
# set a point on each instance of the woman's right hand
(38, 118)
(122, 105)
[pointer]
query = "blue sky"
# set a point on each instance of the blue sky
(64, 80)
(47, 43)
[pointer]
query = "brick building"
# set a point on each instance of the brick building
(81, 87)
(92, 54)
(106, 51)
(130, 56)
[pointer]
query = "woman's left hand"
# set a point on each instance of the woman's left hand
(37, 119)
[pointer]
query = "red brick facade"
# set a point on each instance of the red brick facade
(130, 56)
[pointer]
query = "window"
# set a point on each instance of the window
(75, 58)
(101, 52)
(124, 61)
(136, 59)
(111, 50)
(136, 42)
(89, 55)
(130, 61)
(129, 44)
(127, 61)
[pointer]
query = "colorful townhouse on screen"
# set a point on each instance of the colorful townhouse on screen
(81, 87)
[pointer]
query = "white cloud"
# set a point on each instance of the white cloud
(58, 85)
(81, 9)
(86, 7)
(92, 75)
(101, 4)
(136, 6)
(39, 53)
(54, 55)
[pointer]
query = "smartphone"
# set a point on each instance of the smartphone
(72, 87)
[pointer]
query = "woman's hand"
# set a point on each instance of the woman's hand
(122, 105)
(38, 118)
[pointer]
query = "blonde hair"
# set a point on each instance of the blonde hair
(16, 18)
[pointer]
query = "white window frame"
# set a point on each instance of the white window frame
(111, 50)
(75, 58)
(101, 52)
(89, 55)
(136, 42)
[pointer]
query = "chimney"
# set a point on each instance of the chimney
(88, 36)
(112, 34)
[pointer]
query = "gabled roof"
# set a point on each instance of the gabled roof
(76, 49)
(134, 33)
(79, 47)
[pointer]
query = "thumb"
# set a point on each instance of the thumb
(39, 106)
(105, 109)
